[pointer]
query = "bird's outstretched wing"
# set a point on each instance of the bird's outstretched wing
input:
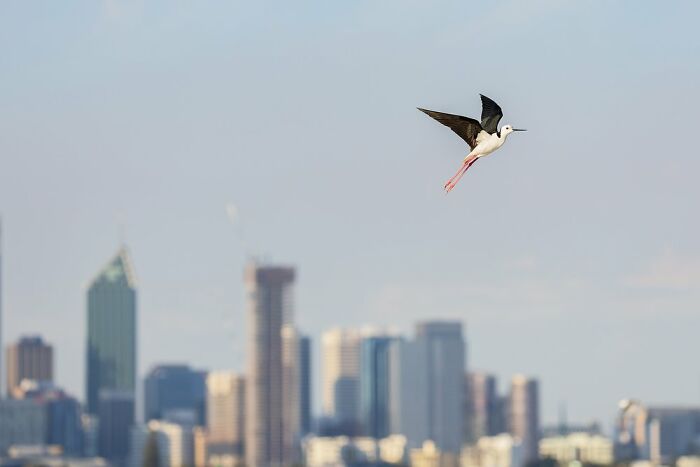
(491, 114)
(467, 128)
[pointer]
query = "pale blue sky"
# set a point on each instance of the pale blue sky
(571, 254)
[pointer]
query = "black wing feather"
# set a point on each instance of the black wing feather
(467, 128)
(491, 114)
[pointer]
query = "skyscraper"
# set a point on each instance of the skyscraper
(171, 388)
(226, 414)
(374, 385)
(22, 422)
(2, 372)
(111, 333)
(306, 384)
(482, 407)
(408, 392)
(291, 403)
(116, 417)
(445, 356)
(269, 290)
(341, 378)
(523, 414)
(29, 358)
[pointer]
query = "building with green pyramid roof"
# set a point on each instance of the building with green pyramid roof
(111, 333)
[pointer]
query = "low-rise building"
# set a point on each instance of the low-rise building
(494, 451)
(578, 447)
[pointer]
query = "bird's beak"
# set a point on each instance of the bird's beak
(518, 129)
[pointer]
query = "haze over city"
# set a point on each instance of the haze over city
(201, 136)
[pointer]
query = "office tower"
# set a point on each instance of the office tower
(64, 423)
(445, 356)
(408, 392)
(291, 401)
(341, 379)
(116, 417)
(482, 407)
(374, 385)
(111, 333)
(29, 358)
(62, 415)
(306, 383)
(269, 290)
(2, 372)
(659, 434)
(172, 390)
(226, 414)
(523, 415)
(22, 422)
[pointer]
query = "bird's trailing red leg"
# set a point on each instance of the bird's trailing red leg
(460, 173)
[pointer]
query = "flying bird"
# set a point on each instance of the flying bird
(483, 138)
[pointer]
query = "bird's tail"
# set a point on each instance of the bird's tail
(468, 162)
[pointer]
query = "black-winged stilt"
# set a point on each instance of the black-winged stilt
(483, 138)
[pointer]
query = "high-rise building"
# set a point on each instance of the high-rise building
(116, 417)
(306, 382)
(22, 422)
(482, 407)
(445, 354)
(111, 333)
(2, 372)
(374, 385)
(659, 434)
(175, 388)
(63, 415)
(408, 392)
(226, 415)
(341, 379)
(29, 358)
(291, 403)
(64, 424)
(523, 415)
(269, 290)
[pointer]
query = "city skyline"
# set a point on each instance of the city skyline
(120, 267)
(570, 255)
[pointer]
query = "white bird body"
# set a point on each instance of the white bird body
(487, 143)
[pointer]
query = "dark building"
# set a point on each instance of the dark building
(374, 386)
(306, 383)
(171, 388)
(111, 333)
(64, 424)
(445, 355)
(116, 417)
(63, 415)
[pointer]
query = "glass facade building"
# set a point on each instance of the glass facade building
(111, 333)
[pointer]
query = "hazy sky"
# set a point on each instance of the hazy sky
(571, 255)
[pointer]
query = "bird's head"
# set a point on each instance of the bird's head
(506, 130)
